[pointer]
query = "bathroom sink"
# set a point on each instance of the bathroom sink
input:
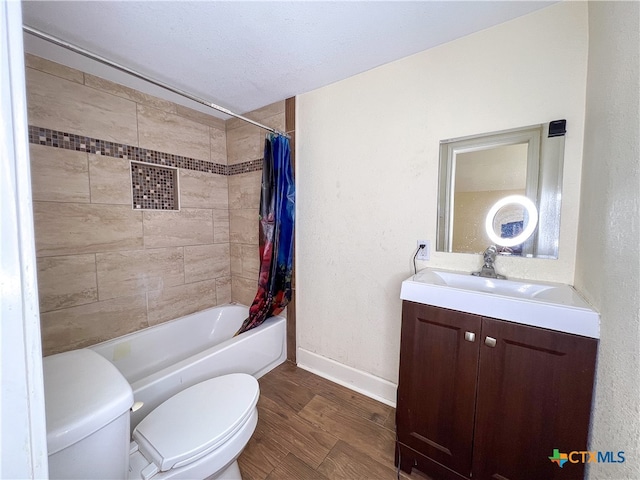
(540, 304)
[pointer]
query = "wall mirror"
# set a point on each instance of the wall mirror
(479, 170)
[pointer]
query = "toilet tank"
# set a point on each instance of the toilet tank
(87, 402)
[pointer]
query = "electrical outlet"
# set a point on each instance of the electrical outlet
(423, 253)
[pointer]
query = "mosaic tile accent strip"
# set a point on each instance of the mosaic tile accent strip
(244, 167)
(154, 188)
(80, 143)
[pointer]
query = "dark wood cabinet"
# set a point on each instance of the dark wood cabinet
(437, 385)
(489, 399)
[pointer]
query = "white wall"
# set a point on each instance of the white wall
(23, 436)
(367, 165)
(607, 261)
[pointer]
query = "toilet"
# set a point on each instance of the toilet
(198, 433)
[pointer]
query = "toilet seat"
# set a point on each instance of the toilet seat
(196, 421)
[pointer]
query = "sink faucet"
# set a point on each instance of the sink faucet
(487, 269)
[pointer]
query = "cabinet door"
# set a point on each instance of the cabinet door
(534, 396)
(437, 384)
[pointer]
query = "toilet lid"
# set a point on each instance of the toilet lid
(197, 420)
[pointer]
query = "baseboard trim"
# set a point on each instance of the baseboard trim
(362, 382)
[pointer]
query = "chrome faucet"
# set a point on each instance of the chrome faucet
(487, 269)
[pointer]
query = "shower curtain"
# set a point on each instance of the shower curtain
(276, 221)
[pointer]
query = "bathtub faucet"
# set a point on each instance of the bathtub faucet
(488, 269)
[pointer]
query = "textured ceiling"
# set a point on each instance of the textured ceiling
(244, 55)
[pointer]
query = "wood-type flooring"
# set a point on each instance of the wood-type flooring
(312, 429)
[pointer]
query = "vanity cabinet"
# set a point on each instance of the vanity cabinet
(490, 399)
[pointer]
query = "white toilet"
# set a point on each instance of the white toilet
(197, 434)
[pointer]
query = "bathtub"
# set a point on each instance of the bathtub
(161, 361)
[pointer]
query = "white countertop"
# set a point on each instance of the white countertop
(552, 306)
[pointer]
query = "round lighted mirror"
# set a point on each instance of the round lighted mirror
(511, 220)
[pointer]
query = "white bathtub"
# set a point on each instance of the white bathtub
(162, 360)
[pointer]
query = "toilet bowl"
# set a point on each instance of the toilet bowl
(196, 434)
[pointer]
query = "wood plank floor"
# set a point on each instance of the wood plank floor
(311, 428)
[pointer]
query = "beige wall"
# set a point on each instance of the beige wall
(245, 143)
(105, 269)
(608, 259)
(367, 162)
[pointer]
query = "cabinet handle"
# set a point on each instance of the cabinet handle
(490, 342)
(470, 336)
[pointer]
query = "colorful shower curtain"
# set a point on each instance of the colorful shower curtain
(276, 223)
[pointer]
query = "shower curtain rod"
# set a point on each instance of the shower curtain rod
(122, 68)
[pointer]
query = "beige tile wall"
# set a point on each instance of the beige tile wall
(244, 143)
(67, 106)
(104, 269)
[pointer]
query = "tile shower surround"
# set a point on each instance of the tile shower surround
(79, 143)
(104, 268)
(121, 305)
